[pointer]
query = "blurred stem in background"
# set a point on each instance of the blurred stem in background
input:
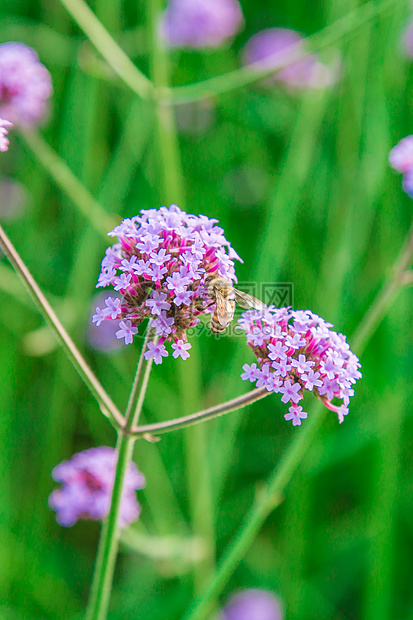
(68, 182)
(168, 148)
(107, 46)
(227, 82)
(329, 36)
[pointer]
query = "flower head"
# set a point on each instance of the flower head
(25, 84)
(87, 481)
(4, 129)
(253, 605)
(298, 351)
(201, 23)
(159, 266)
(272, 48)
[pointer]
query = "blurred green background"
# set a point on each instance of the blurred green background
(301, 184)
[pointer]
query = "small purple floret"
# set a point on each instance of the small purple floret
(4, 130)
(127, 331)
(181, 349)
(157, 351)
(99, 317)
(296, 414)
(249, 372)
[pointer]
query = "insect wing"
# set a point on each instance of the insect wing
(248, 301)
(224, 310)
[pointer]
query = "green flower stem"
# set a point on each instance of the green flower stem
(110, 533)
(108, 48)
(331, 35)
(201, 416)
(106, 404)
(60, 172)
(109, 538)
(301, 443)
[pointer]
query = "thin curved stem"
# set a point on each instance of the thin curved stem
(60, 172)
(109, 49)
(106, 404)
(201, 416)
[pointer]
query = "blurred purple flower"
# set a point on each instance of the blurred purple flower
(87, 481)
(408, 40)
(25, 84)
(401, 159)
(201, 23)
(297, 351)
(4, 130)
(401, 155)
(253, 605)
(162, 257)
(273, 47)
(408, 182)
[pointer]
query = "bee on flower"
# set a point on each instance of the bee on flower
(159, 267)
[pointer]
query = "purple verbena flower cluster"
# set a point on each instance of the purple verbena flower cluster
(159, 266)
(25, 84)
(201, 23)
(401, 159)
(297, 351)
(4, 129)
(272, 47)
(87, 482)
